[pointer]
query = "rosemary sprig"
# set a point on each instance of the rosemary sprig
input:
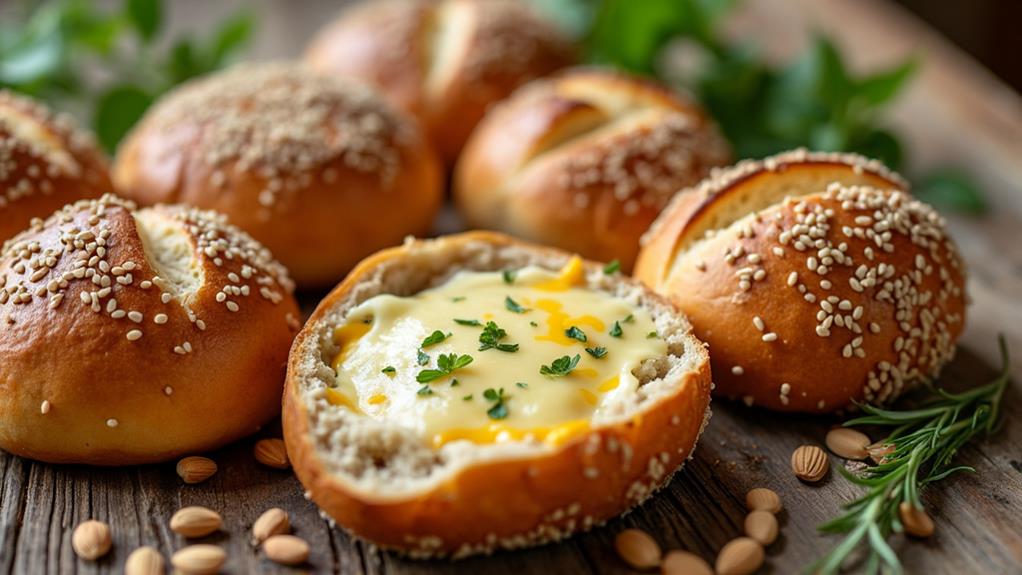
(919, 451)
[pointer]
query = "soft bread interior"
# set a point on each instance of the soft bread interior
(386, 461)
(171, 253)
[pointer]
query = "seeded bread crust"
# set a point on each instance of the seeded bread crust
(585, 160)
(313, 167)
(46, 161)
(135, 336)
(444, 62)
(383, 483)
(815, 278)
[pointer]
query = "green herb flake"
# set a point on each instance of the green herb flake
(499, 409)
(612, 268)
(468, 322)
(522, 385)
(615, 331)
(629, 318)
(455, 382)
(421, 357)
(513, 306)
(467, 397)
(424, 390)
(491, 336)
(575, 333)
(435, 338)
(597, 352)
(652, 335)
(446, 364)
(509, 276)
(533, 324)
(458, 298)
(389, 370)
(561, 366)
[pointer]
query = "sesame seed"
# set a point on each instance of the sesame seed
(770, 336)
(737, 370)
(135, 316)
(756, 321)
(44, 408)
(134, 335)
(232, 306)
(168, 390)
(160, 318)
(792, 279)
(112, 422)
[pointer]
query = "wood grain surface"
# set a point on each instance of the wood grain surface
(955, 113)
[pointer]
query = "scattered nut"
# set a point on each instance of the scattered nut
(286, 549)
(91, 539)
(199, 559)
(272, 453)
(638, 549)
(810, 463)
(916, 521)
(271, 522)
(763, 499)
(195, 521)
(144, 561)
(847, 443)
(685, 563)
(196, 469)
(761, 526)
(740, 556)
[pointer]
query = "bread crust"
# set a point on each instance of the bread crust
(841, 337)
(133, 375)
(310, 166)
(585, 160)
(444, 62)
(499, 502)
(46, 161)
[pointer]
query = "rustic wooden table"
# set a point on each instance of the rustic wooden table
(954, 113)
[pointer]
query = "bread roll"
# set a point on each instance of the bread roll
(46, 161)
(444, 62)
(584, 161)
(816, 279)
(427, 462)
(321, 171)
(134, 336)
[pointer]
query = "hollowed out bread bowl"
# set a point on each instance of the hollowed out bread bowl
(815, 278)
(585, 160)
(320, 170)
(445, 62)
(46, 161)
(133, 336)
(382, 480)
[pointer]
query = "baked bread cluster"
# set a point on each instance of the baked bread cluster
(46, 161)
(445, 61)
(585, 160)
(816, 279)
(138, 335)
(319, 170)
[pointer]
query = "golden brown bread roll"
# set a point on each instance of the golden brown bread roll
(432, 466)
(133, 336)
(46, 161)
(444, 62)
(816, 279)
(320, 170)
(584, 160)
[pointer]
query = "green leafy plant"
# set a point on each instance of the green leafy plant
(918, 451)
(561, 366)
(107, 63)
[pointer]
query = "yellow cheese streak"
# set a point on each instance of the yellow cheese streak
(383, 353)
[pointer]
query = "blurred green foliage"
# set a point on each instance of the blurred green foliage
(110, 62)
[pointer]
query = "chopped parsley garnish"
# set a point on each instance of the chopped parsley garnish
(499, 408)
(629, 318)
(513, 306)
(421, 357)
(616, 330)
(389, 370)
(458, 298)
(467, 397)
(533, 324)
(425, 390)
(468, 322)
(561, 366)
(491, 336)
(446, 364)
(612, 268)
(509, 276)
(597, 352)
(522, 385)
(651, 335)
(435, 338)
(577, 334)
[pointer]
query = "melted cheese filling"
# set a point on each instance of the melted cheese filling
(382, 356)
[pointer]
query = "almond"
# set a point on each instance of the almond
(741, 556)
(761, 526)
(91, 540)
(195, 522)
(809, 463)
(272, 453)
(286, 549)
(271, 522)
(916, 521)
(199, 559)
(685, 563)
(763, 499)
(144, 561)
(847, 443)
(637, 548)
(196, 469)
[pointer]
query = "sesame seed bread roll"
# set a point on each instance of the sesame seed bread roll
(320, 170)
(138, 335)
(816, 279)
(446, 61)
(475, 489)
(46, 161)
(585, 160)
